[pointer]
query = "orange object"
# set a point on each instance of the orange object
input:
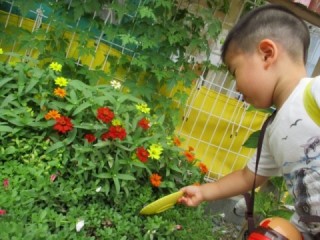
(275, 228)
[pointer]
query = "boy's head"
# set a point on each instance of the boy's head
(272, 22)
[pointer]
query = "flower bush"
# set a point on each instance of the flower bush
(80, 161)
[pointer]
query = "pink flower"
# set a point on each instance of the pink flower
(6, 183)
(3, 212)
(53, 177)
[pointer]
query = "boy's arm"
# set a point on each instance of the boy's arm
(233, 184)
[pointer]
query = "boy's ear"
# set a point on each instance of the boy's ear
(268, 51)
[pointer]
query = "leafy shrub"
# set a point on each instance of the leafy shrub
(71, 152)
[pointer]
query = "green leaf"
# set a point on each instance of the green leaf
(126, 177)
(5, 80)
(10, 150)
(175, 168)
(71, 136)
(141, 61)
(31, 85)
(10, 98)
(81, 108)
(164, 3)
(116, 184)
(55, 146)
(214, 28)
(146, 12)
(252, 141)
(104, 175)
(78, 85)
(128, 39)
(5, 128)
(100, 101)
(73, 97)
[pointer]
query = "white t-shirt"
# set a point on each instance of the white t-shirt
(291, 148)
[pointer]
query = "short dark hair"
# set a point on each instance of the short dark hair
(270, 21)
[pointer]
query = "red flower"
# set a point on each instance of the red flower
(104, 136)
(155, 180)
(142, 154)
(176, 141)
(189, 155)
(3, 212)
(115, 132)
(144, 123)
(105, 114)
(203, 168)
(6, 183)
(90, 137)
(63, 124)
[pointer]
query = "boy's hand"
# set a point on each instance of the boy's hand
(192, 196)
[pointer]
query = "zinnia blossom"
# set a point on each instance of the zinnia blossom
(60, 92)
(155, 180)
(105, 114)
(155, 151)
(6, 183)
(189, 155)
(55, 66)
(203, 168)
(176, 141)
(52, 114)
(63, 124)
(90, 137)
(115, 84)
(61, 81)
(114, 132)
(142, 154)
(143, 107)
(144, 123)
(3, 212)
(116, 122)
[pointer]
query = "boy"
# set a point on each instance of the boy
(266, 51)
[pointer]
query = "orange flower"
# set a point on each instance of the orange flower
(189, 155)
(176, 141)
(52, 114)
(155, 180)
(60, 92)
(191, 149)
(203, 168)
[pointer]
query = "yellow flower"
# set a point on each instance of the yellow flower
(155, 151)
(116, 122)
(61, 81)
(1, 51)
(55, 66)
(60, 92)
(143, 107)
